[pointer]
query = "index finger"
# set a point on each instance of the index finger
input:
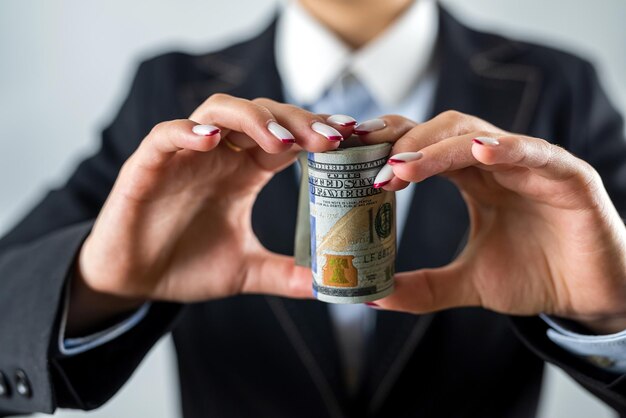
(241, 116)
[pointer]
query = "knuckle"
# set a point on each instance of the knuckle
(257, 112)
(399, 122)
(394, 119)
(411, 141)
(585, 175)
(218, 98)
(298, 112)
(159, 128)
(546, 154)
(263, 101)
(451, 116)
(168, 127)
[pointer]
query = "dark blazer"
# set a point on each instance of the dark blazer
(273, 357)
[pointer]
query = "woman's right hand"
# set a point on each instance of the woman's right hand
(177, 223)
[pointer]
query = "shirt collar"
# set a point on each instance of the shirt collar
(310, 58)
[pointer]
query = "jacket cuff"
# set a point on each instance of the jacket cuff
(77, 345)
(33, 277)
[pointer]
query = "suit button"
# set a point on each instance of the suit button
(22, 384)
(5, 389)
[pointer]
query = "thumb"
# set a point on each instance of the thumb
(429, 290)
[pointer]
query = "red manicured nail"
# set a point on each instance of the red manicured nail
(372, 305)
(342, 120)
(486, 140)
(384, 176)
(369, 126)
(281, 133)
(381, 184)
(404, 157)
(329, 132)
(205, 130)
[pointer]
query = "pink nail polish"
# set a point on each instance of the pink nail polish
(384, 176)
(404, 157)
(328, 131)
(369, 126)
(281, 133)
(342, 120)
(205, 130)
(486, 140)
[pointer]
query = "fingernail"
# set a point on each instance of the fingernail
(385, 175)
(485, 140)
(369, 126)
(342, 120)
(205, 130)
(328, 131)
(281, 133)
(372, 305)
(403, 157)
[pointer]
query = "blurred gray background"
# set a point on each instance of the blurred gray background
(65, 67)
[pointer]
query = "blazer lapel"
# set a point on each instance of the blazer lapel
(474, 78)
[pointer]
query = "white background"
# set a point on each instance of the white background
(65, 67)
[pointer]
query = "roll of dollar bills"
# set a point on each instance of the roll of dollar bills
(352, 225)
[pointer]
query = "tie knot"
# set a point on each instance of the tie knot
(349, 96)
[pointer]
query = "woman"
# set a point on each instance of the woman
(201, 209)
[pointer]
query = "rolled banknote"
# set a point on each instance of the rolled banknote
(352, 225)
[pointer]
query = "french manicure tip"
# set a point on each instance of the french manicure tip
(404, 157)
(486, 140)
(381, 184)
(205, 130)
(369, 126)
(280, 132)
(327, 131)
(342, 120)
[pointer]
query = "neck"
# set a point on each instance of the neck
(356, 22)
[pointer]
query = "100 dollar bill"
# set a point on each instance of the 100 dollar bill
(351, 225)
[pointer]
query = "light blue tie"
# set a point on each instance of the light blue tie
(347, 96)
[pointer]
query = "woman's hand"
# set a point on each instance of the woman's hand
(545, 237)
(177, 224)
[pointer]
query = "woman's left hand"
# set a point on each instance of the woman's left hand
(544, 237)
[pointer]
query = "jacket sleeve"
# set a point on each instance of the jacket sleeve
(36, 258)
(597, 136)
